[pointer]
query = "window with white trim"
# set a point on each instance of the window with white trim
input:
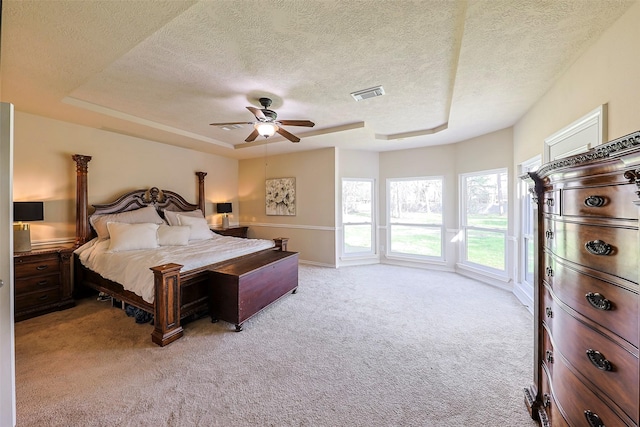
(357, 216)
(484, 219)
(414, 213)
(527, 240)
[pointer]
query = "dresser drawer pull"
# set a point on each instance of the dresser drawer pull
(549, 356)
(594, 201)
(549, 271)
(42, 282)
(546, 400)
(598, 247)
(549, 234)
(598, 360)
(43, 297)
(42, 267)
(549, 312)
(598, 301)
(593, 419)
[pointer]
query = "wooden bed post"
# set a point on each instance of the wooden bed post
(166, 318)
(83, 231)
(201, 198)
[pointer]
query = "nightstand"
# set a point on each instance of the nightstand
(231, 231)
(42, 281)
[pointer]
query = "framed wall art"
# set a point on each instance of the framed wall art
(281, 196)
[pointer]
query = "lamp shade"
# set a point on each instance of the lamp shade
(223, 207)
(266, 129)
(28, 211)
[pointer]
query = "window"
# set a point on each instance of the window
(415, 217)
(485, 219)
(357, 216)
(528, 219)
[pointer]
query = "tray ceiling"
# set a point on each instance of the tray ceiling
(163, 71)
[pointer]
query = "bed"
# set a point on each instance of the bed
(175, 283)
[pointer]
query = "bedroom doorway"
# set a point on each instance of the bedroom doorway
(7, 346)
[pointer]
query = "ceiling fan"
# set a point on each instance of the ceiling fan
(267, 123)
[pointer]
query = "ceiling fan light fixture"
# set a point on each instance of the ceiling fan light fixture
(266, 129)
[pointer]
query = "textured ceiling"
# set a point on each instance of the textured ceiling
(164, 70)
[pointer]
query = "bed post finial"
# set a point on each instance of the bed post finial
(201, 197)
(83, 232)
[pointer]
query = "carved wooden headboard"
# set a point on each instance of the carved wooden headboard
(160, 199)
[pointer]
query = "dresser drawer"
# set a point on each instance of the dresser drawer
(37, 283)
(614, 201)
(617, 304)
(574, 398)
(32, 266)
(36, 299)
(573, 340)
(612, 250)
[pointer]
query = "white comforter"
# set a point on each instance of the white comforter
(131, 268)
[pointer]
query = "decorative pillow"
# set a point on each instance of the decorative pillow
(143, 215)
(199, 227)
(129, 237)
(172, 216)
(177, 235)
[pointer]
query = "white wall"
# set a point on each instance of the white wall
(312, 231)
(607, 73)
(44, 170)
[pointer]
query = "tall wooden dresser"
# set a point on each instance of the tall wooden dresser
(586, 296)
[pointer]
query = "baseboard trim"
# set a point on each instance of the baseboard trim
(413, 264)
(317, 264)
(524, 293)
(484, 279)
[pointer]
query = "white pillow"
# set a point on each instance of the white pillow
(129, 237)
(199, 227)
(172, 216)
(177, 235)
(143, 215)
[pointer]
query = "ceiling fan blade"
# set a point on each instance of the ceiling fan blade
(253, 136)
(288, 135)
(306, 123)
(258, 113)
(230, 123)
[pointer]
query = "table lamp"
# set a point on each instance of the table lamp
(225, 210)
(25, 211)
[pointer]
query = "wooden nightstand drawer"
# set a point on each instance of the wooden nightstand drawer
(41, 265)
(35, 300)
(38, 283)
(42, 281)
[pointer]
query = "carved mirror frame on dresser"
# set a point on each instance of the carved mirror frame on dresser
(586, 334)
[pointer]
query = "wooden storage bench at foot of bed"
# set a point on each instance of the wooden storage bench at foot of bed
(241, 289)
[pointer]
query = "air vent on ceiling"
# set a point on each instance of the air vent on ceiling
(372, 92)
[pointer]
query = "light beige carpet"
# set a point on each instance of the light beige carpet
(358, 346)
